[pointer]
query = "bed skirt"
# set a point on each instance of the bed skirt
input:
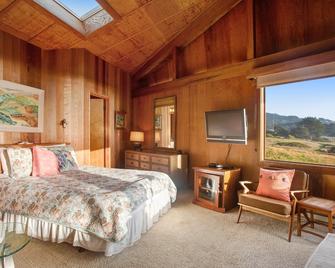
(140, 221)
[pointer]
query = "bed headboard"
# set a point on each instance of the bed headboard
(30, 145)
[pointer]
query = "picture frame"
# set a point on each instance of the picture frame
(158, 121)
(120, 120)
(21, 108)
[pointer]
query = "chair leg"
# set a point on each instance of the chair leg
(290, 227)
(312, 219)
(239, 214)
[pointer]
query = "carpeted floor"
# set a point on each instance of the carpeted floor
(188, 236)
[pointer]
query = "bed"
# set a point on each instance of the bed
(99, 209)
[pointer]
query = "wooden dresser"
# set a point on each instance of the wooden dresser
(173, 164)
(216, 188)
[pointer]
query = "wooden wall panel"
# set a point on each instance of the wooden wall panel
(284, 24)
(279, 25)
(192, 102)
(164, 72)
(68, 77)
(74, 75)
(222, 44)
(19, 63)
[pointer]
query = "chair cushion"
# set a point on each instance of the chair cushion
(275, 183)
(265, 203)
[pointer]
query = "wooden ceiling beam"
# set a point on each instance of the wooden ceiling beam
(190, 33)
(106, 6)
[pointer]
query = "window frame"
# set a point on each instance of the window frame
(262, 137)
(85, 16)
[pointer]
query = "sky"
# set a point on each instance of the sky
(315, 98)
(79, 7)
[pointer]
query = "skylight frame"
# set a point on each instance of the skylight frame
(84, 17)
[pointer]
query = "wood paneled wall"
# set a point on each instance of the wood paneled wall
(229, 42)
(284, 24)
(192, 102)
(20, 62)
(68, 78)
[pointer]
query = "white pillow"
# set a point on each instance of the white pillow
(20, 162)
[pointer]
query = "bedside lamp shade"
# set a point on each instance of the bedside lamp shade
(136, 136)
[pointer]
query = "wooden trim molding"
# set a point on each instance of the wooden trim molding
(106, 6)
(308, 61)
(311, 72)
(233, 70)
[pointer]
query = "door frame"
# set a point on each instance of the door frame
(107, 128)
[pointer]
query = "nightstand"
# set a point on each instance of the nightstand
(216, 188)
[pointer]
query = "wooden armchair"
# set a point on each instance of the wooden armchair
(277, 209)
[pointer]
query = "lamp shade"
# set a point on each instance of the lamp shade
(136, 136)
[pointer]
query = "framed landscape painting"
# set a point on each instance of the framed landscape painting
(21, 108)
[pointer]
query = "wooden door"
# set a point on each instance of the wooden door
(97, 132)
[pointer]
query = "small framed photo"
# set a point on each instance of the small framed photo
(158, 121)
(120, 119)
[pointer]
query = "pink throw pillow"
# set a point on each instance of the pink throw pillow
(275, 183)
(45, 162)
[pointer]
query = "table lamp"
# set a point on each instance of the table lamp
(137, 137)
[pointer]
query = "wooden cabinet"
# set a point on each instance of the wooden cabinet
(173, 164)
(215, 188)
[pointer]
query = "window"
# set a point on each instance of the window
(81, 9)
(300, 122)
(85, 17)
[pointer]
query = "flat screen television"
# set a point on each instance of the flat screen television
(227, 126)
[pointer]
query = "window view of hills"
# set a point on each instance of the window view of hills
(307, 140)
(300, 121)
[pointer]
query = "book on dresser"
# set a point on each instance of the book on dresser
(171, 163)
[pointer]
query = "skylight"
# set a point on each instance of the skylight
(81, 9)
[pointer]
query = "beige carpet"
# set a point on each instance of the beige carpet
(189, 236)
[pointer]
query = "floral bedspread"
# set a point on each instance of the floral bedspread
(91, 199)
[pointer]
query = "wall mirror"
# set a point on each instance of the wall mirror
(165, 114)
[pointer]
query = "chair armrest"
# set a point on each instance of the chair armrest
(297, 192)
(245, 188)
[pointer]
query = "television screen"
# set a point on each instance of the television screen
(228, 126)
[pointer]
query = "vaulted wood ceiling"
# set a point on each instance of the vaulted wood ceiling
(130, 40)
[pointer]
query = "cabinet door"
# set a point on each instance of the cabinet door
(207, 189)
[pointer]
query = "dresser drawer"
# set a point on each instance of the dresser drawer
(144, 158)
(160, 168)
(132, 163)
(134, 156)
(160, 160)
(144, 165)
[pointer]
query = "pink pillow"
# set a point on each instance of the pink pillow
(275, 183)
(45, 162)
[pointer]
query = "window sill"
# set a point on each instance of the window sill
(324, 169)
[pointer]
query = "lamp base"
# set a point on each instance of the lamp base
(137, 146)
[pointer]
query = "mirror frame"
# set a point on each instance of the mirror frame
(175, 125)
